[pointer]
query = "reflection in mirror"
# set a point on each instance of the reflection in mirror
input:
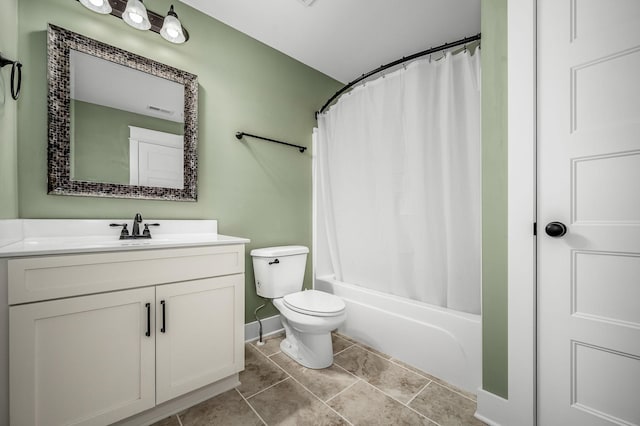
(120, 125)
(109, 99)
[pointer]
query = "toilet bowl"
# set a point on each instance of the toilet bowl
(309, 316)
(308, 333)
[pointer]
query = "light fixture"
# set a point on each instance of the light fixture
(134, 13)
(136, 16)
(98, 6)
(172, 28)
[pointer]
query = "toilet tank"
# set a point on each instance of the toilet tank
(279, 270)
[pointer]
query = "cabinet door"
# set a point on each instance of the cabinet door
(200, 338)
(82, 361)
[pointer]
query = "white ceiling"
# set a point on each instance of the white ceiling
(346, 38)
(124, 88)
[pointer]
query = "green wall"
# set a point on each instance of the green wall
(8, 147)
(494, 197)
(100, 140)
(254, 189)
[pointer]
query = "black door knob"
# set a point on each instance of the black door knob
(555, 229)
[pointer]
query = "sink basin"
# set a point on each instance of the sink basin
(109, 241)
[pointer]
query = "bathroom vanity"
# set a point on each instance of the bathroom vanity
(101, 330)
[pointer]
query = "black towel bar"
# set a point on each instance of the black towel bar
(239, 135)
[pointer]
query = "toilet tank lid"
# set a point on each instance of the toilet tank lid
(279, 251)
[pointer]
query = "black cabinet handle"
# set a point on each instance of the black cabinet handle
(164, 327)
(148, 306)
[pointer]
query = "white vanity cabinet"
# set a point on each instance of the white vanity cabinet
(81, 360)
(197, 340)
(97, 338)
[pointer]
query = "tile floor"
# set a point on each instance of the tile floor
(362, 387)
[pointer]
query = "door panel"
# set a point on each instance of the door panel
(200, 338)
(589, 179)
(600, 377)
(81, 361)
(602, 189)
(589, 18)
(618, 302)
(160, 166)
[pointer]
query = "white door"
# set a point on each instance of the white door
(589, 179)
(156, 158)
(160, 166)
(199, 333)
(82, 360)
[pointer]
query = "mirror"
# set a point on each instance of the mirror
(120, 125)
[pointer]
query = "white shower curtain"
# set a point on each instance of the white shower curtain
(399, 183)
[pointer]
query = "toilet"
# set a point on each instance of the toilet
(308, 316)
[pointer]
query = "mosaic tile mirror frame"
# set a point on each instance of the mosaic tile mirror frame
(60, 181)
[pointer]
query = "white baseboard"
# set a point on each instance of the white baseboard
(271, 325)
(492, 409)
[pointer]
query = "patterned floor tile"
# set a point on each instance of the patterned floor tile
(375, 351)
(259, 373)
(169, 421)
(383, 374)
(271, 344)
(362, 404)
(445, 407)
(435, 379)
(288, 403)
(228, 408)
(323, 383)
(282, 392)
(343, 336)
(339, 343)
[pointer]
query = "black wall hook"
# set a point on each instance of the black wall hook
(15, 65)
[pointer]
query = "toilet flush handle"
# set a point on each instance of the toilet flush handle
(275, 261)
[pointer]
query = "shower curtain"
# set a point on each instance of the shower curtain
(399, 182)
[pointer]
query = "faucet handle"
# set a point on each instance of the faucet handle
(146, 232)
(124, 233)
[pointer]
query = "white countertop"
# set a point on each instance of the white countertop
(39, 237)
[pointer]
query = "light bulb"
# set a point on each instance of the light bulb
(173, 33)
(99, 6)
(136, 15)
(172, 28)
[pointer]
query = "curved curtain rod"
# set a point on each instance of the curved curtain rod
(397, 62)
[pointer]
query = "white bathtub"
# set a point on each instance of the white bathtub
(439, 341)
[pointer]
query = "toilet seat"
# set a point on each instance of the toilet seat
(314, 302)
